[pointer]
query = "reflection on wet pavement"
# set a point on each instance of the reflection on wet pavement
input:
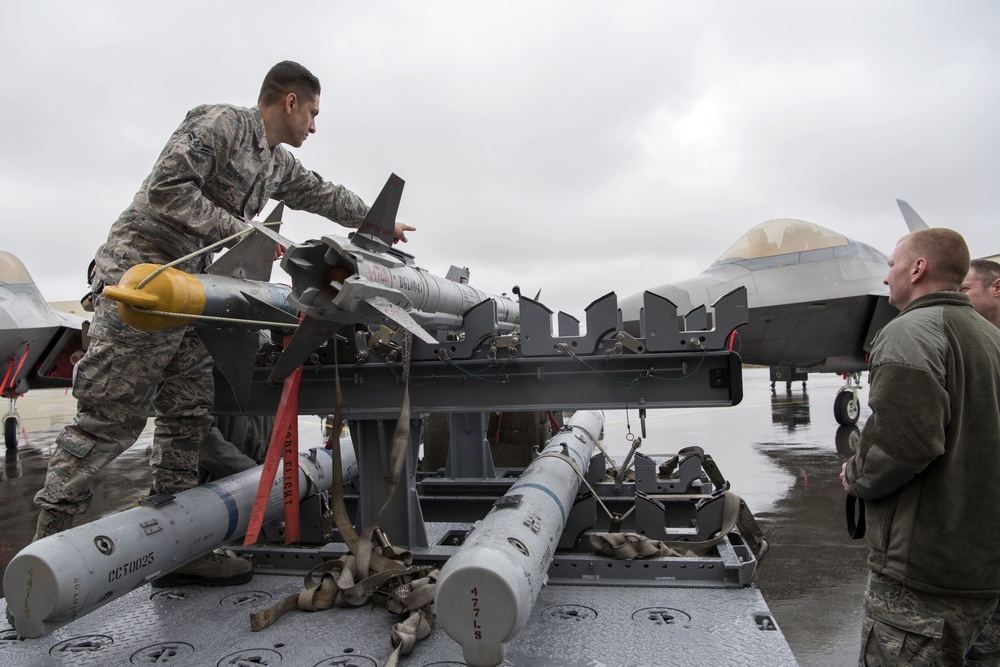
(780, 450)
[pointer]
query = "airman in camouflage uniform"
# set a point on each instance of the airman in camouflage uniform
(218, 170)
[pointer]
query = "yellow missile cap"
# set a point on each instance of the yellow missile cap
(171, 291)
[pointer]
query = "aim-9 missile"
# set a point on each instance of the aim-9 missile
(70, 574)
(227, 305)
(486, 590)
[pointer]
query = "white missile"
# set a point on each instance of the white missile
(486, 590)
(68, 575)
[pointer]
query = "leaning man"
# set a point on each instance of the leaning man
(216, 172)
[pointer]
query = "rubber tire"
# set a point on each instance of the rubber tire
(10, 432)
(845, 409)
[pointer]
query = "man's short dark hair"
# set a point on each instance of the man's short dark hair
(288, 77)
(987, 271)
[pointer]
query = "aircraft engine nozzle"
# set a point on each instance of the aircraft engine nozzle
(222, 301)
(70, 574)
(485, 592)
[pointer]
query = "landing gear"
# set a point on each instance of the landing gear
(847, 407)
(10, 431)
(10, 426)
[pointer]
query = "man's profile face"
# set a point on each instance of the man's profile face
(898, 277)
(300, 118)
(983, 297)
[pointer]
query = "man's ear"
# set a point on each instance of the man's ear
(995, 287)
(291, 101)
(918, 270)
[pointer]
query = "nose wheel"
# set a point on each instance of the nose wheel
(10, 427)
(847, 405)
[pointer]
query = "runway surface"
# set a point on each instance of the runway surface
(780, 450)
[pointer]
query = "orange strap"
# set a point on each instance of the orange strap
(284, 444)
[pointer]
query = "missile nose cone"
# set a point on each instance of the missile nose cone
(170, 291)
(482, 601)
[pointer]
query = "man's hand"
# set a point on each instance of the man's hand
(279, 250)
(843, 478)
(400, 233)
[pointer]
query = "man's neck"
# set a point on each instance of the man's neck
(271, 125)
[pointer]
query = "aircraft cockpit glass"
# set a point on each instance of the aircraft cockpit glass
(781, 237)
(12, 272)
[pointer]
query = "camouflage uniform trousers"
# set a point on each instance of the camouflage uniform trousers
(908, 627)
(124, 373)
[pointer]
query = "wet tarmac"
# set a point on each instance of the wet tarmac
(780, 450)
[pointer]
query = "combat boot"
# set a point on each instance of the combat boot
(51, 522)
(213, 569)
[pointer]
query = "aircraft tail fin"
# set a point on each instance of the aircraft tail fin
(913, 221)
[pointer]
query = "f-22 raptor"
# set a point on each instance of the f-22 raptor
(816, 300)
(39, 346)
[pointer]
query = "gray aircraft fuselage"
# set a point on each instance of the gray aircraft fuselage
(810, 307)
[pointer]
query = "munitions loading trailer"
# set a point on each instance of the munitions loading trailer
(594, 610)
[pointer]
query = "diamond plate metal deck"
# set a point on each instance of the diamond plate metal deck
(569, 626)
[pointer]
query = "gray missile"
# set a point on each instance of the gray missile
(364, 279)
(486, 590)
(65, 576)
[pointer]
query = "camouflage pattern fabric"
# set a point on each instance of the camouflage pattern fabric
(907, 627)
(215, 172)
(234, 443)
(124, 373)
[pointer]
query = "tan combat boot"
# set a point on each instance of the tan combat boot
(51, 522)
(213, 569)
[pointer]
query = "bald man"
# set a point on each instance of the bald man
(927, 466)
(982, 285)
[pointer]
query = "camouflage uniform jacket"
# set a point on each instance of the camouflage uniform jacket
(215, 172)
(928, 462)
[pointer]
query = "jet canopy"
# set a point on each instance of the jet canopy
(12, 271)
(781, 237)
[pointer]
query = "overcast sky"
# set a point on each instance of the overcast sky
(570, 147)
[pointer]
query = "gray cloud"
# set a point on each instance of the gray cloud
(572, 147)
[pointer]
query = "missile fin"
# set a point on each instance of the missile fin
(234, 353)
(311, 334)
(378, 230)
(400, 317)
(269, 312)
(253, 257)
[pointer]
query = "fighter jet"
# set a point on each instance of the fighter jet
(816, 300)
(38, 346)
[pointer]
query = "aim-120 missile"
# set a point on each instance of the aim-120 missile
(70, 574)
(363, 279)
(486, 590)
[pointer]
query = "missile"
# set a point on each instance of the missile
(486, 590)
(174, 298)
(65, 576)
(364, 279)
